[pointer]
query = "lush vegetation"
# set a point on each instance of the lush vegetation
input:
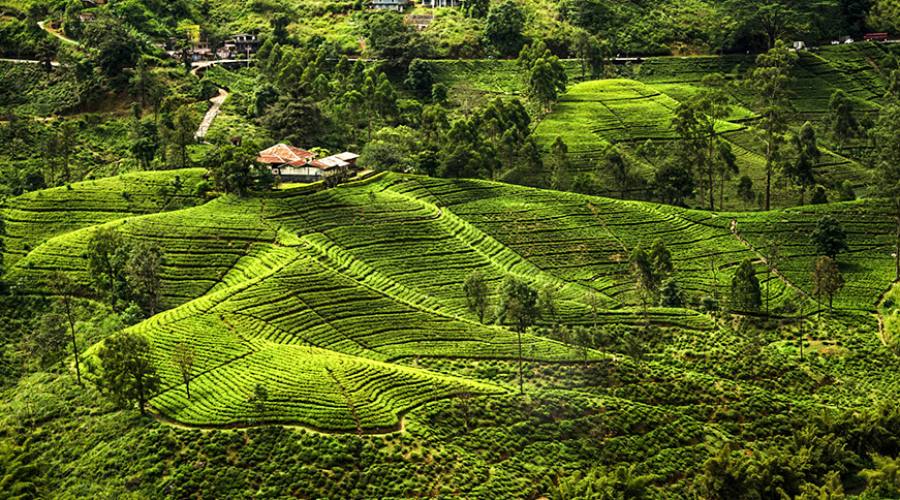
(591, 250)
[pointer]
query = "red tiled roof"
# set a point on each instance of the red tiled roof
(281, 154)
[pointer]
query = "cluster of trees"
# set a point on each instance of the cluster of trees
(124, 272)
(701, 163)
(828, 238)
(653, 276)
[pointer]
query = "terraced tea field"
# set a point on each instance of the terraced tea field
(335, 299)
(592, 115)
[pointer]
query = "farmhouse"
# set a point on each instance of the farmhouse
(290, 164)
(242, 45)
(397, 5)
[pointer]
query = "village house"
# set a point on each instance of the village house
(242, 45)
(397, 5)
(440, 3)
(290, 164)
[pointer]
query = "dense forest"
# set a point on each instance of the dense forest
(500, 249)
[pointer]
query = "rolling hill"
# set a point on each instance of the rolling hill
(334, 297)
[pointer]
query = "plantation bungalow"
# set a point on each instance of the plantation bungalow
(290, 164)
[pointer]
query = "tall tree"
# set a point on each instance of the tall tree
(673, 183)
(235, 171)
(614, 165)
(745, 189)
(827, 279)
(887, 144)
(771, 19)
(806, 154)
(114, 45)
(183, 355)
(128, 374)
(695, 122)
(841, 119)
(546, 81)
(645, 280)
(519, 306)
(61, 145)
(726, 166)
(745, 292)
(661, 260)
(477, 294)
(142, 273)
(829, 237)
(503, 29)
(107, 254)
(420, 77)
(144, 139)
(558, 164)
(179, 133)
(772, 255)
(591, 53)
(389, 38)
(64, 290)
(885, 15)
(46, 343)
(475, 8)
(769, 79)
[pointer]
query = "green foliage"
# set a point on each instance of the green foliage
(420, 78)
(883, 479)
(107, 255)
(503, 27)
(745, 292)
(827, 278)
(234, 170)
(142, 275)
(841, 117)
(770, 79)
(477, 294)
(128, 374)
(518, 304)
(829, 237)
(114, 45)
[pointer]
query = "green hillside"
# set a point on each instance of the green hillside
(260, 282)
(347, 304)
(499, 249)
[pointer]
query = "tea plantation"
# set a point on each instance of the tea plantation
(347, 305)
(333, 297)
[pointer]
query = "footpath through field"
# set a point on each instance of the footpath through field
(211, 114)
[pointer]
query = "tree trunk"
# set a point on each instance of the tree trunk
(74, 341)
(897, 245)
(769, 139)
(722, 193)
(521, 385)
(187, 386)
(139, 382)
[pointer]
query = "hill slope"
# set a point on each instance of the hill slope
(363, 280)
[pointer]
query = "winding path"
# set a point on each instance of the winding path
(57, 34)
(211, 114)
